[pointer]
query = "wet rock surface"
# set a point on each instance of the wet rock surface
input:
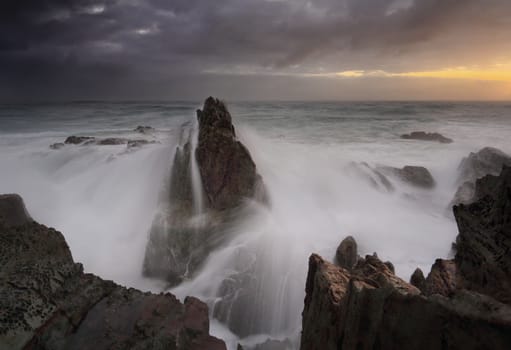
(76, 140)
(462, 304)
(371, 308)
(484, 242)
(47, 302)
(227, 170)
(184, 232)
(426, 136)
(487, 161)
(371, 175)
(417, 176)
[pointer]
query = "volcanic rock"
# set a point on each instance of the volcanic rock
(426, 136)
(47, 302)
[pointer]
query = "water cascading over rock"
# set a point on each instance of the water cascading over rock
(212, 175)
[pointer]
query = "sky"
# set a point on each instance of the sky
(255, 49)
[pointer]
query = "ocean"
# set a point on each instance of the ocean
(104, 197)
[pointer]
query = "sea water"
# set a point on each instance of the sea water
(104, 198)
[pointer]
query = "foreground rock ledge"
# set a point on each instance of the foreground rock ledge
(463, 303)
(47, 302)
(371, 308)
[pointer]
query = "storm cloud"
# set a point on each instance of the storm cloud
(168, 48)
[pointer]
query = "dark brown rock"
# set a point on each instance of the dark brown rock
(483, 245)
(47, 302)
(177, 244)
(346, 255)
(418, 280)
(426, 136)
(371, 308)
(227, 170)
(441, 279)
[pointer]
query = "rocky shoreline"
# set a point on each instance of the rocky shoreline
(48, 302)
(462, 304)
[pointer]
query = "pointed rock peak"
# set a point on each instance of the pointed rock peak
(214, 114)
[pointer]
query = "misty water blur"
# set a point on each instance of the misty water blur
(104, 198)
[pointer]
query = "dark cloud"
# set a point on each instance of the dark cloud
(109, 43)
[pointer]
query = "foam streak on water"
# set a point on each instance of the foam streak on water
(104, 198)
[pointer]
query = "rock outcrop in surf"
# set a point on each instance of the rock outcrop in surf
(212, 174)
(48, 302)
(426, 136)
(463, 303)
(487, 161)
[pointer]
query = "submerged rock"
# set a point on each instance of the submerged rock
(57, 145)
(426, 136)
(47, 302)
(414, 175)
(111, 141)
(144, 129)
(76, 140)
(187, 229)
(372, 176)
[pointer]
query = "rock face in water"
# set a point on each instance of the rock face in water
(488, 161)
(484, 242)
(463, 303)
(414, 175)
(227, 170)
(426, 136)
(180, 240)
(47, 302)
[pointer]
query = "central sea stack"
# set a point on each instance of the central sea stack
(212, 175)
